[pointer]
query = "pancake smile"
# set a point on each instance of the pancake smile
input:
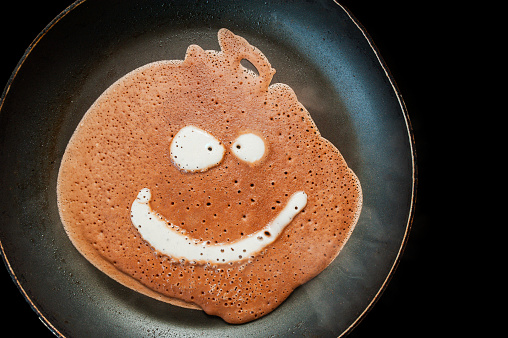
(172, 241)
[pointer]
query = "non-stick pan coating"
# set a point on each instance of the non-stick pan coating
(317, 49)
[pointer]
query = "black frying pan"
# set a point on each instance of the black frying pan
(93, 43)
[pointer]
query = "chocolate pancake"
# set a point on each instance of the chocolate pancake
(198, 183)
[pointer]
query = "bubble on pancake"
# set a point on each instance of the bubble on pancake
(122, 145)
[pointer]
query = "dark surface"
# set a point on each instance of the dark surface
(397, 32)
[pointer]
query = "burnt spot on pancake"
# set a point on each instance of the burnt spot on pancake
(122, 145)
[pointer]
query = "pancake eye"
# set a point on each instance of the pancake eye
(193, 149)
(249, 147)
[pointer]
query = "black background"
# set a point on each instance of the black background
(405, 33)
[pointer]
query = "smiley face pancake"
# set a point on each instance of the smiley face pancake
(199, 183)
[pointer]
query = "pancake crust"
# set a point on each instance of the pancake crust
(122, 145)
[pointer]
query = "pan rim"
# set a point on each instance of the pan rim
(401, 103)
(414, 173)
(5, 92)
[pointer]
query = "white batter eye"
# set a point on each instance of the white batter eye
(193, 149)
(249, 147)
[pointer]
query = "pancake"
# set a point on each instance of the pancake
(199, 183)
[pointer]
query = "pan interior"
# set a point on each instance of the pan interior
(316, 49)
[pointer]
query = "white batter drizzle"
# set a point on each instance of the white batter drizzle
(168, 239)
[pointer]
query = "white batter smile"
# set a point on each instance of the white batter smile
(170, 240)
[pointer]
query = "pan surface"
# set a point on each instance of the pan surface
(316, 48)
